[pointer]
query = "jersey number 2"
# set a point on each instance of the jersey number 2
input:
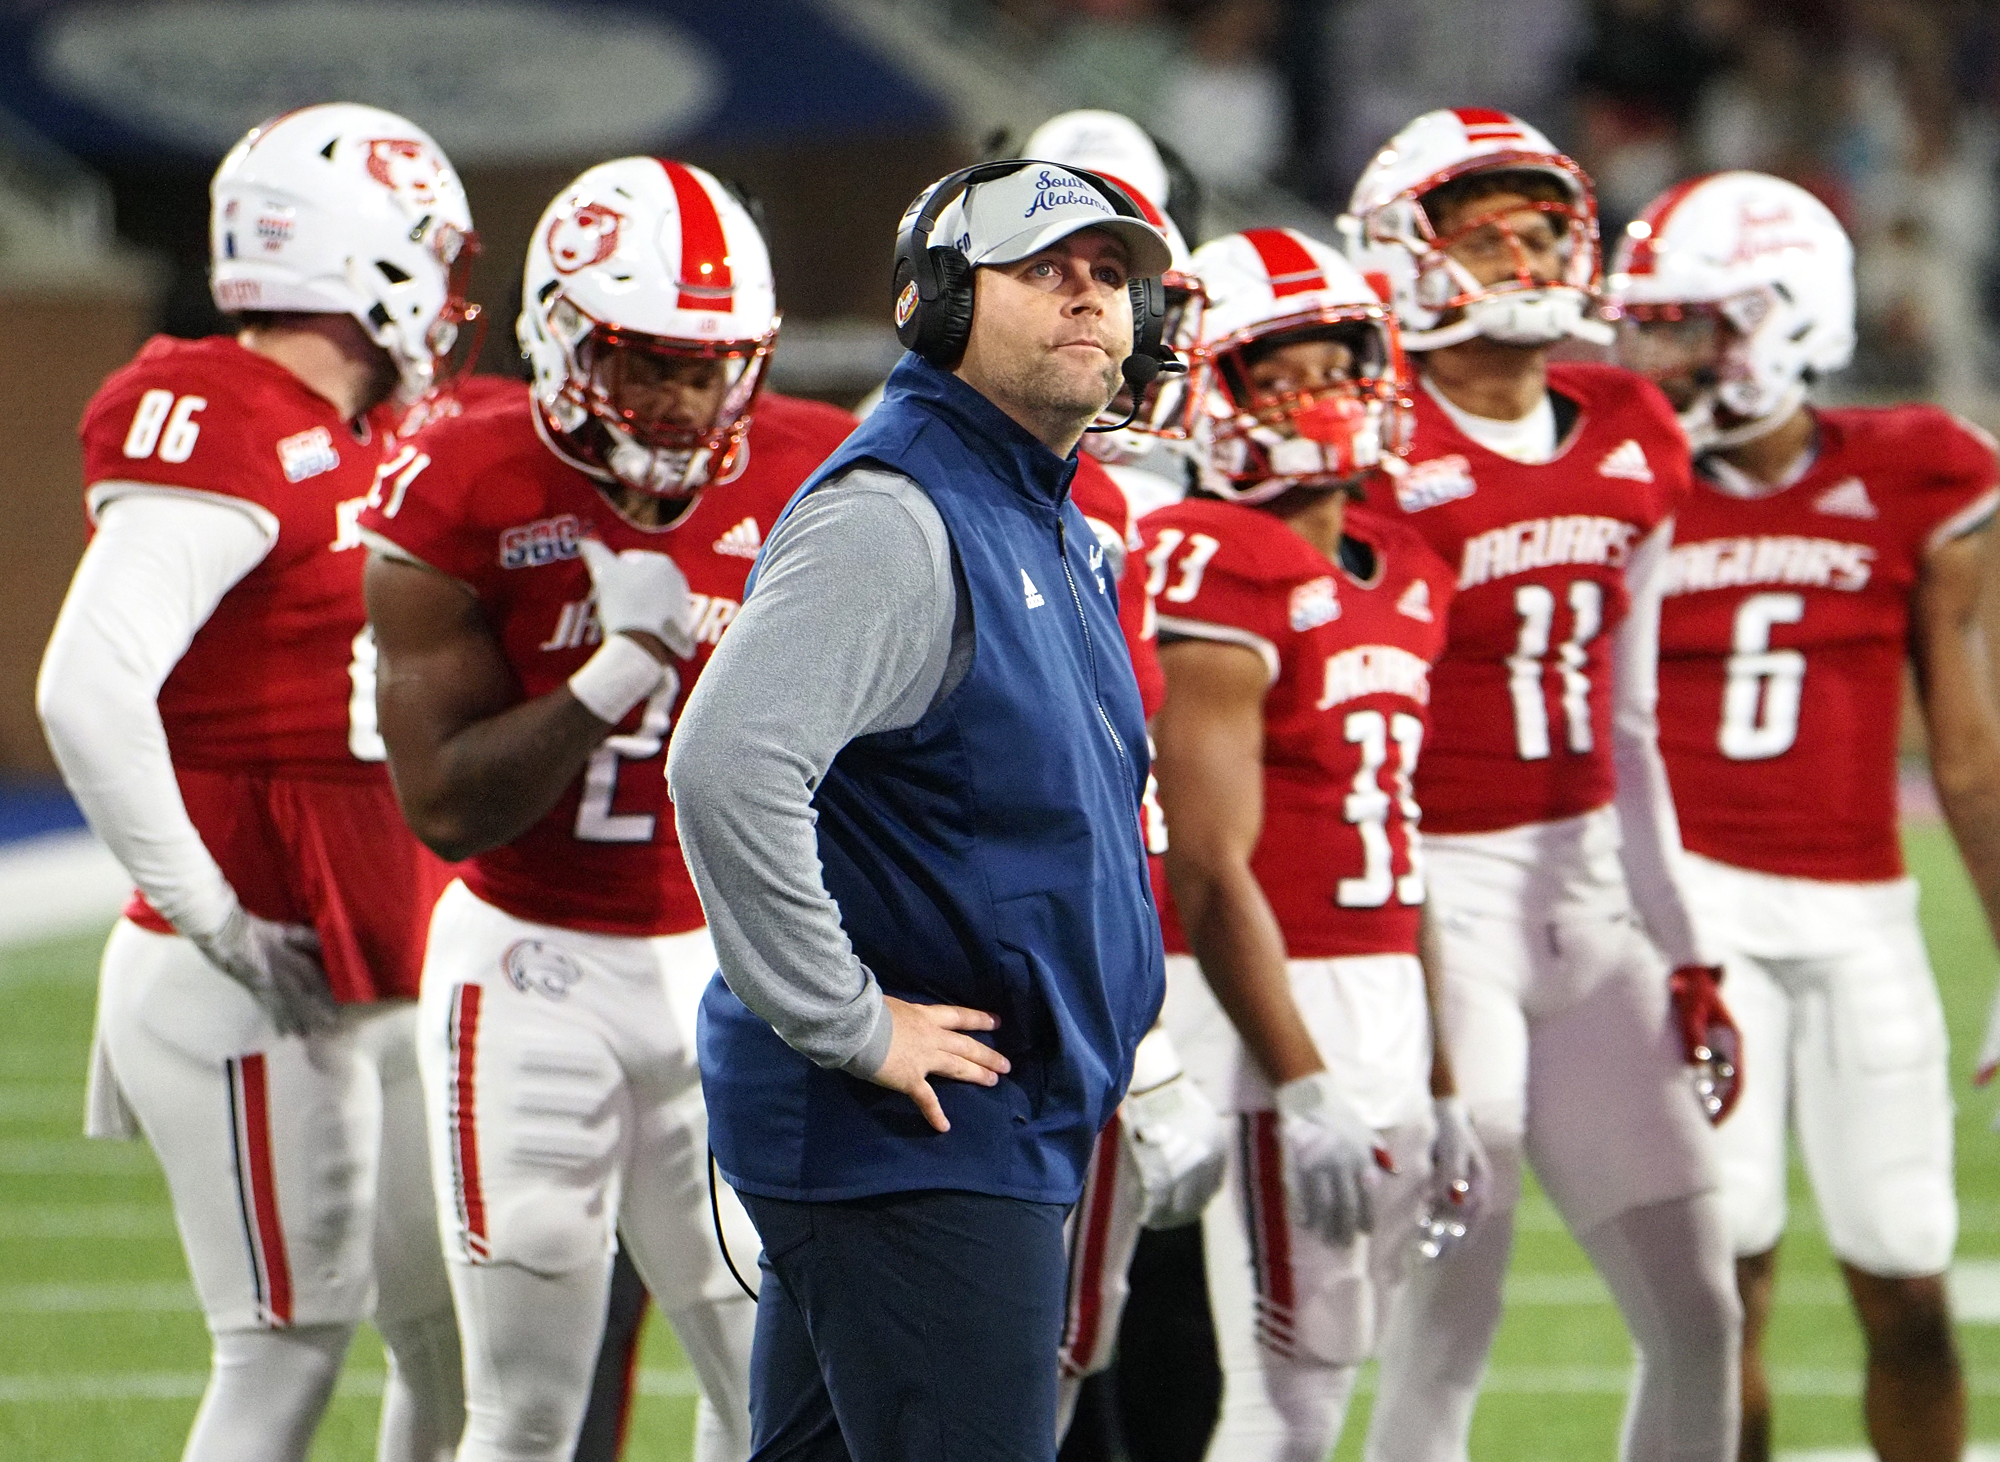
(595, 821)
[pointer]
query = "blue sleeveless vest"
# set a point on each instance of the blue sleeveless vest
(989, 856)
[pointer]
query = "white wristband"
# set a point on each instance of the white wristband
(616, 678)
(1155, 1062)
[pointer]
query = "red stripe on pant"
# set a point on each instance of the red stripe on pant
(1086, 1284)
(257, 1179)
(1270, 1228)
(464, 1120)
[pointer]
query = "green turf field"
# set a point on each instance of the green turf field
(102, 1353)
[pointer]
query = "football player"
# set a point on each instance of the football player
(551, 570)
(1819, 550)
(1297, 638)
(208, 693)
(1553, 853)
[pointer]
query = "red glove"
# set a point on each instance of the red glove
(1709, 1038)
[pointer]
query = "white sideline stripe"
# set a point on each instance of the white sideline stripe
(187, 1385)
(1975, 1291)
(56, 884)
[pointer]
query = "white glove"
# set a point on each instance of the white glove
(279, 965)
(1461, 1176)
(1176, 1137)
(641, 591)
(1330, 1157)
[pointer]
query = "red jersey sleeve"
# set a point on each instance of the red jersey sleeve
(177, 418)
(426, 498)
(1962, 486)
(1210, 583)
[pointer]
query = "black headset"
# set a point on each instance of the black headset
(932, 284)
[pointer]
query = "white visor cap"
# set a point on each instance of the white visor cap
(1009, 219)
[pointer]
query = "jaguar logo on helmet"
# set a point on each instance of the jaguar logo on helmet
(906, 304)
(583, 238)
(406, 167)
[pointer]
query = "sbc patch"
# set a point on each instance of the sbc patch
(308, 454)
(1440, 480)
(1314, 603)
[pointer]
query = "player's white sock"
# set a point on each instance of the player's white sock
(1670, 1269)
(267, 1390)
(1433, 1350)
(1285, 1409)
(423, 1404)
(716, 1337)
(530, 1352)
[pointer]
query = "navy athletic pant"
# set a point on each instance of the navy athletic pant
(910, 1327)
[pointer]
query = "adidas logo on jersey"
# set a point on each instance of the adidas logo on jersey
(1848, 499)
(1626, 460)
(1030, 592)
(742, 541)
(1314, 603)
(1416, 601)
(1440, 480)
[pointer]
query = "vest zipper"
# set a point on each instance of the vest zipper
(1089, 648)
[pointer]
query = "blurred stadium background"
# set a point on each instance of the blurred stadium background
(833, 113)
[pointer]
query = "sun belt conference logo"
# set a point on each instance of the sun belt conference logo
(407, 168)
(583, 238)
(906, 304)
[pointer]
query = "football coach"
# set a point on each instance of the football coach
(908, 787)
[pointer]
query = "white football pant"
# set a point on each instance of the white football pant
(1842, 1030)
(301, 1188)
(1295, 1316)
(564, 1106)
(1556, 1011)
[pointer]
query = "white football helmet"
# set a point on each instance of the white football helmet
(654, 257)
(1396, 245)
(1274, 286)
(1739, 286)
(347, 209)
(1118, 149)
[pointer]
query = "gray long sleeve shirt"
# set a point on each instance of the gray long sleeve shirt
(860, 623)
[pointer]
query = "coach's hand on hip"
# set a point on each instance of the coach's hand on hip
(925, 1041)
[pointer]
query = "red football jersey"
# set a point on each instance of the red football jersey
(1344, 718)
(1783, 636)
(1523, 693)
(275, 696)
(268, 682)
(486, 501)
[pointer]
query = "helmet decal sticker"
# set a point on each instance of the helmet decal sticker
(587, 236)
(406, 167)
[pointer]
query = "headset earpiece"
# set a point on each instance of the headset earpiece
(944, 324)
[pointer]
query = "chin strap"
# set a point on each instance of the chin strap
(1759, 426)
(1527, 317)
(651, 469)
